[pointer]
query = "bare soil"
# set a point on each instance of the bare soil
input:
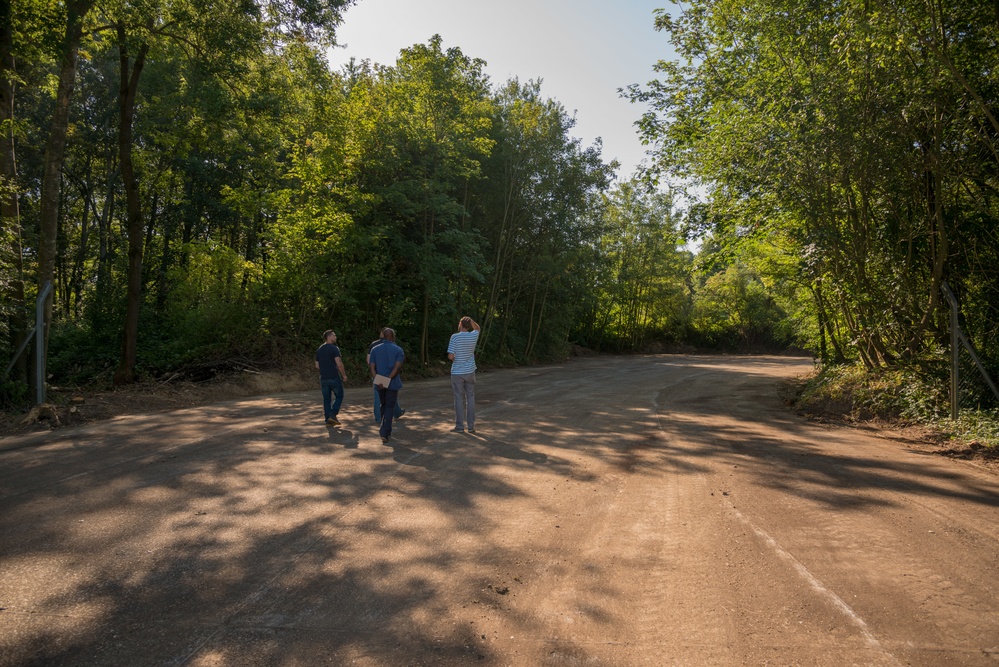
(77, 407)
(618, 511)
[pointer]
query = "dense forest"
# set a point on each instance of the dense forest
(850, 153)
(200, 186)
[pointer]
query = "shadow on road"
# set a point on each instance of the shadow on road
(225, 534)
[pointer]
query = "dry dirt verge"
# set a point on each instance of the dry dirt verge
(921, 437)
(76, 407)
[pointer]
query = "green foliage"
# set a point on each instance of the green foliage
(206, 313)
(80, 355)
(644, 274)
(279, 198)
(975, 426)
(858, 141)
(733, 310)
(13, 393)
(916, 393)
(745, 299)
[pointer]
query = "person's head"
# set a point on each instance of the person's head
(465, 323)
(388, 334)
(329, 336)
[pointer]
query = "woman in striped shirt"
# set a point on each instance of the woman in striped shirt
(461, 352)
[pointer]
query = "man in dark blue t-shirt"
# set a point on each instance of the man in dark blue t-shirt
(332, 375)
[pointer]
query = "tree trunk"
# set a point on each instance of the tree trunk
(55, 151)
(535, 331)
(10, 219)
(938, 234)
(166, 256)
(251, 250)
(104, 242)
(74, 288)
(133, 205)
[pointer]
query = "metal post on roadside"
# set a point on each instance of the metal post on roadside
(40, 338)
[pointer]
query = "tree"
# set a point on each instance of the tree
(844, 130)
(643, 292)
(11, 266)
(438, 116)
(538, 210)
(67, 54)
(211, 30)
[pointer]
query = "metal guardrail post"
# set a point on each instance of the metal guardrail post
(40, 338)
(17, 355)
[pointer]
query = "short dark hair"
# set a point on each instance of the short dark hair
(466, 323)
(327, 334)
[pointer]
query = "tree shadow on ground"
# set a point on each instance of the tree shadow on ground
(227, 534)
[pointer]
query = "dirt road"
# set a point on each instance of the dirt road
(660, 510)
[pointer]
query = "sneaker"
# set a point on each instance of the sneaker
(458, 430)
(385, 439)
(471, 430)
(401, 413)
(332, 421)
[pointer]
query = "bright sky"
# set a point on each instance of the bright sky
(583, 50)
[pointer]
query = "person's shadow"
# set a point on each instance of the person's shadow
(411, 457)
(506, 450)
(343, 436)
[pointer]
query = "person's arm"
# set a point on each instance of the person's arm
(341, 369)
(371, 366)
(475, 325)
(317, 363)
(395, 369)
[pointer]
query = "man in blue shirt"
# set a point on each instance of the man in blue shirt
(386, 360)
(378, 405)
(461, 352)
(332, 375)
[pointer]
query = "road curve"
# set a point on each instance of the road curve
(646, 510)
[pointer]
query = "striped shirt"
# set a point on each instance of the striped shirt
(462, 346)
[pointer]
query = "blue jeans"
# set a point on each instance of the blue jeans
(463, 387)
(378, 408)
(332, 388)
(389, 399)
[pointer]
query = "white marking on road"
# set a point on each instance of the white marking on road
(837, 601)
(814, 582)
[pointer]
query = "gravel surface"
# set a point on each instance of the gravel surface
(646, 510)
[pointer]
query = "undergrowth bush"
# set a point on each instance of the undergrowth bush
(975, 426)
(916, 393)
(12, 393)
(913, 394)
